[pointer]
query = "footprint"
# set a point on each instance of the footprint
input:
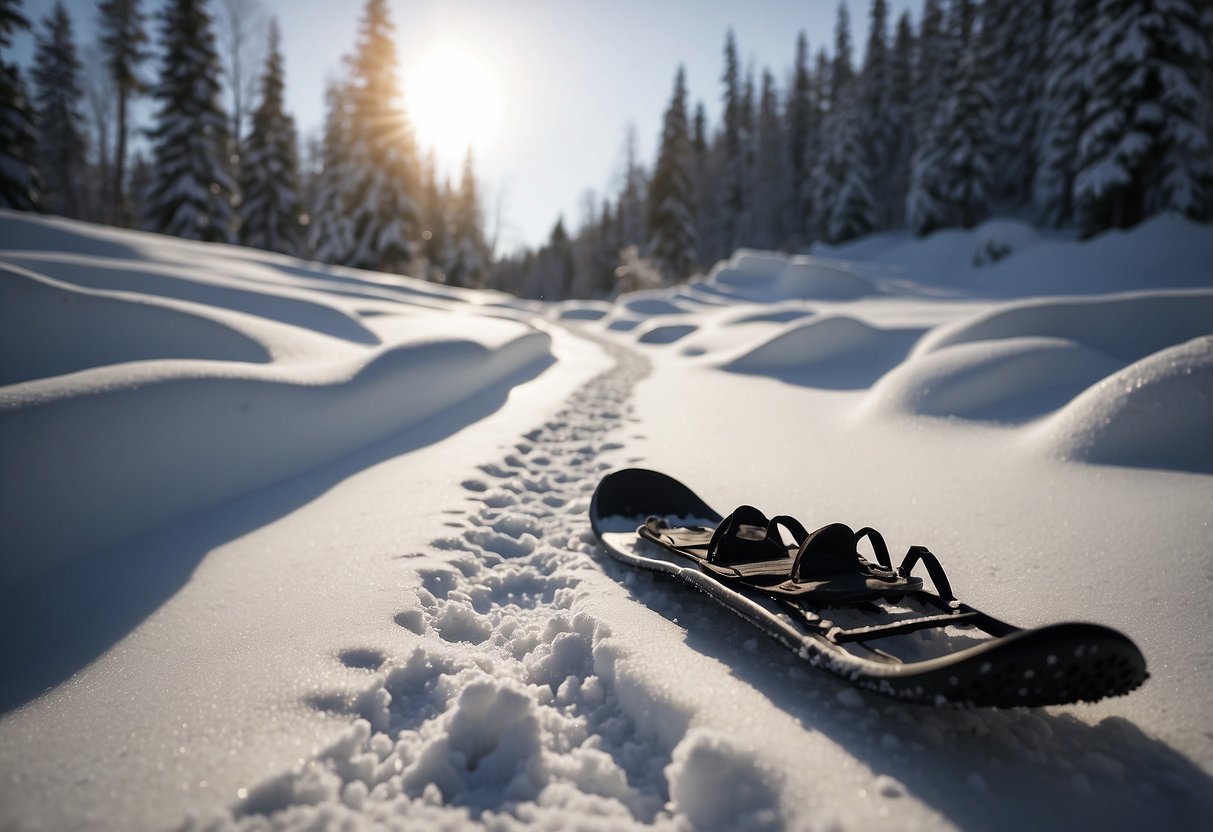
(362, 658)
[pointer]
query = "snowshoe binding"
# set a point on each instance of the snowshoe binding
(874, 625)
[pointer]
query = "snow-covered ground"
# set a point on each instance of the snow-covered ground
(289, 546)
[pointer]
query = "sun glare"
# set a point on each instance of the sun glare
(453, 101)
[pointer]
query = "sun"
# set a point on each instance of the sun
(453, 101)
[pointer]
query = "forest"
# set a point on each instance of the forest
(1072, 114)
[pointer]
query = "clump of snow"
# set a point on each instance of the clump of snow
(663, 333)
(768, 276)
(721, 786)
(820, 340)
(1157, 412)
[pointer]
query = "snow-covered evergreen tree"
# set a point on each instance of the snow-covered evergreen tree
(384, 175)
(331, 235)
(57, 97)
(799, 114)
(470, 254)
(1064, 99)
(435, 220)
(703, 190)
(631, 208)
(842, 69)
(124, 41)
(930, 69)
(269, 172)
(1144, 149)
(1013, 38)
(671, 212)
(190, 194)
(732, 152)
(899, 109)
(952, 178)
(877, 127)
(842, 184)
(773, 204)
(20, 184)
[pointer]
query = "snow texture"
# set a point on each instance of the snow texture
(298, 547)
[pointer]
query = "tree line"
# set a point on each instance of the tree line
(1077, 114)
(363, 195)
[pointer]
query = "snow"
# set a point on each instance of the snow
(289, 546)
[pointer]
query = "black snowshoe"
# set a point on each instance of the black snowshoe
(874, 625)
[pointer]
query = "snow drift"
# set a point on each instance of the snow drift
(144, 391)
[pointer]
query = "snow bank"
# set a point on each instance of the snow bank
(139, 390)
(1008, 379)
(1155, 413)
(1125, 326)
(819, 340)
(767, 276)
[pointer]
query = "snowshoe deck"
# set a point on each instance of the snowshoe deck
(882, 631)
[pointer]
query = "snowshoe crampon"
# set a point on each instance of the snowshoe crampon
(874, 625)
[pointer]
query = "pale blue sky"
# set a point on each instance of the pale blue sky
(571, 76)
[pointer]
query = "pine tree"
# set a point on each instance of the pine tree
(471, 256)
(671, 213)
(57, 98)
(191, 190)
(331, 235)
(435, 220)
(1144, 149)
(1013, 38)
(733, 205)
(704, 190)
(843, 184)
(1065, 91)
(800, 112)
(633, 194)
(899, 111)
(877, 127)
(384, 175)
(952, 178)
(270, 209)
(20, 184)
(124, 41)
(930, 69)
(772, 196)
(842, 72)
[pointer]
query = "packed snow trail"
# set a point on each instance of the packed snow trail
(532, 696)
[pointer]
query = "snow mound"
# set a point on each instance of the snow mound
(812, 277)
(649, 303)
(665, 333)
(769, 276)
(582, 310)
(48, 328)
(137, 390)
(782, 316)
(835, 351)
(1007, 379)
(1155, 413)
(1127, 326)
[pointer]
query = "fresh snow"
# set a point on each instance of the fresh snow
(289, 546)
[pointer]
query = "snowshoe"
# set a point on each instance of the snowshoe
(873, 625)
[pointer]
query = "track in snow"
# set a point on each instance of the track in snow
(505, 711)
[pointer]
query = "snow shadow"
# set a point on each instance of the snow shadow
(1027, 768)
(57, 622)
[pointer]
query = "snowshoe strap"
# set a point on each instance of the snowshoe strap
(827, 552)
(879, 547)
(934, 569)
(746, 536)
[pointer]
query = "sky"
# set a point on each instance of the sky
(561, 79)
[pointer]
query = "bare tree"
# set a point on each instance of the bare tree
(243, 34)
